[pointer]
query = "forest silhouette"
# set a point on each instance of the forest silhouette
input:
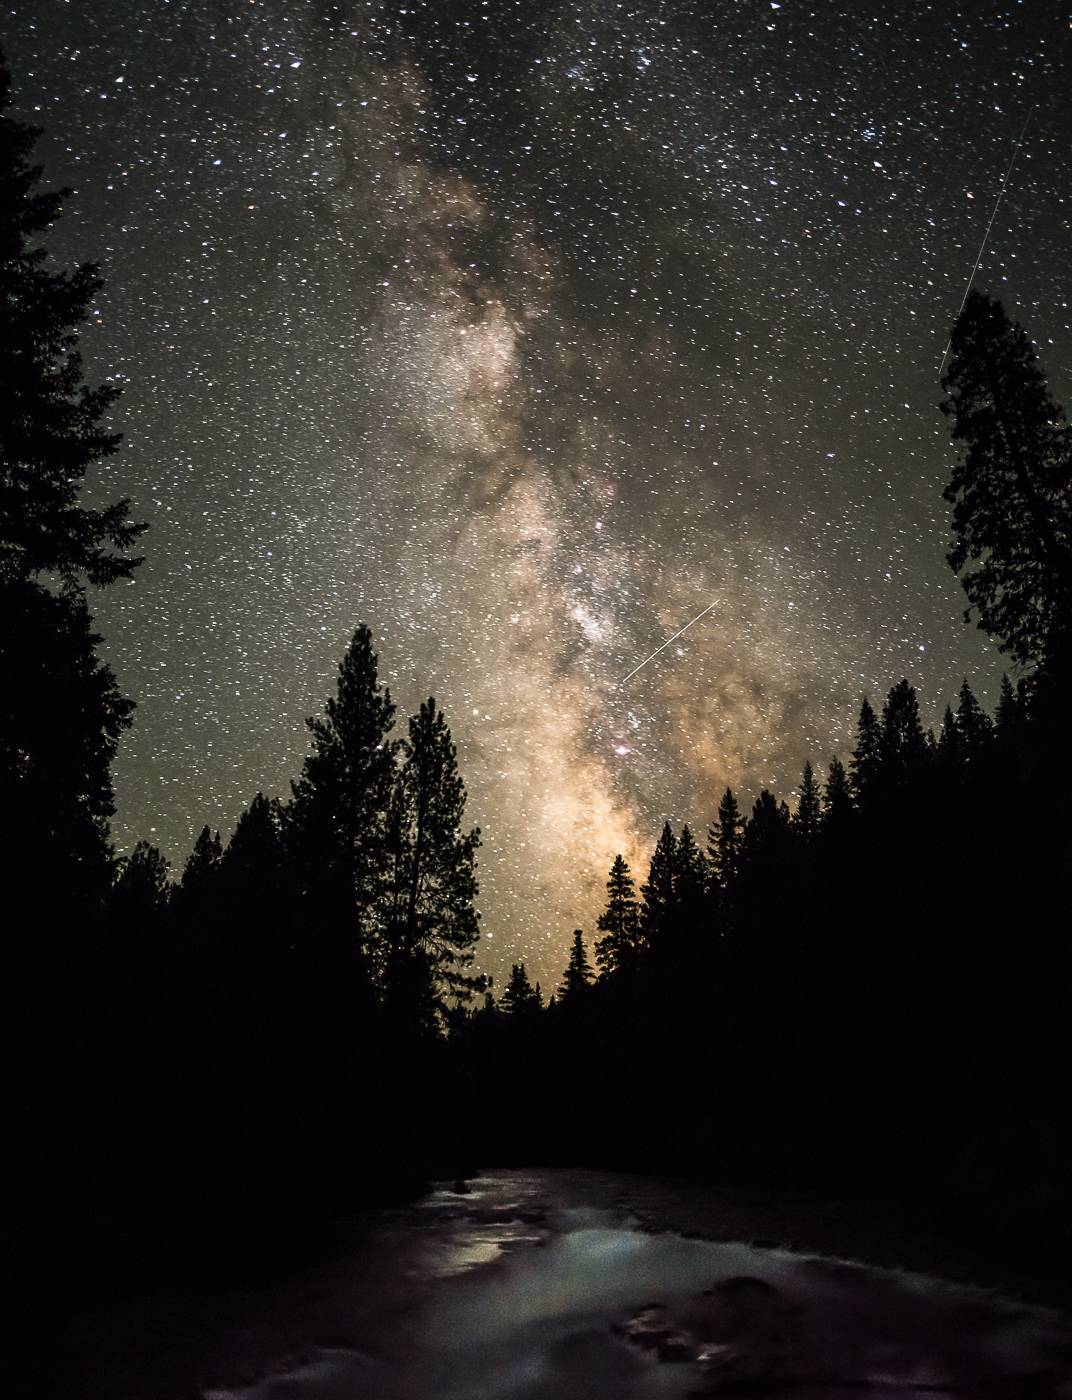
(867, 994)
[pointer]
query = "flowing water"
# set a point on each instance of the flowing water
(536, 1286)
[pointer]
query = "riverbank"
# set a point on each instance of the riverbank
(358, 1296)
(889, 1234)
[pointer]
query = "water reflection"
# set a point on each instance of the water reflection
(531, 1288)
(461, 1231)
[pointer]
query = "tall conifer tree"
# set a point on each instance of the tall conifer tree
(337, 822)
(809, 809)
(837, 797)
(1011, 489)
(949, 746)
(974, 725)
(61, 713)
(903, 749)
(766, 832)
(864, 764)
(51, 433)
(141, 890)
(430, 925)
(691, 875)
(578, 973)
(724, 841)
(201, 870)
(659, 892)
(251, 866)
(520, 997)
(619, 923)
(1009, 713)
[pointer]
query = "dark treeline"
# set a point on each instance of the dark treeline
(868, 993)
(202, 1070)
(197, 1067)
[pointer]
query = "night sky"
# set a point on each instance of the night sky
(523, 333)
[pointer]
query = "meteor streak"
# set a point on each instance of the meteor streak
(665, 644)
(986, 235)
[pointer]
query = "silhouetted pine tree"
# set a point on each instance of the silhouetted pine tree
(252, 923)
(486, 1013)
(974, 725)
(724, 841)
(578, 973)
(865, 761)
(141, 890)
(619, 923)
(198, 887)
(765, 834)
(809, 809)
(430, 926)
(50, 417)
(61, 713)
(837, 798)
(660, 890)
(336, 828)
(949, 743)
(691, 874)
(1011, 488)
(251, 867)
(1010, 711)
(903, 750)
(519, 997)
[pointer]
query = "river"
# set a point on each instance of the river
(559, 1285)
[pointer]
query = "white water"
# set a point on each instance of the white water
(508, 1308)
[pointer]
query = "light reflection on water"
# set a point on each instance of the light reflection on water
(462, 1232)
(522, 1280)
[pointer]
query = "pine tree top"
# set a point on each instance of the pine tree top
(578, 972)
(809, 808)
(519, 996)
(50, 417)
(1011, 486)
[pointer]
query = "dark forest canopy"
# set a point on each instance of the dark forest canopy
(893, 757)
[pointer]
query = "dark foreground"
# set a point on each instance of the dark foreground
(534, 1285)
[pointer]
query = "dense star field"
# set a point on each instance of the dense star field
(523, 333)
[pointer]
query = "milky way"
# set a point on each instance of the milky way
(523, 333)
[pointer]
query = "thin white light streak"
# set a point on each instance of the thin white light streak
(986, 235)
(665, 645)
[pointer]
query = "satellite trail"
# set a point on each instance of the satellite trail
(665, 645)
(986, 235)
